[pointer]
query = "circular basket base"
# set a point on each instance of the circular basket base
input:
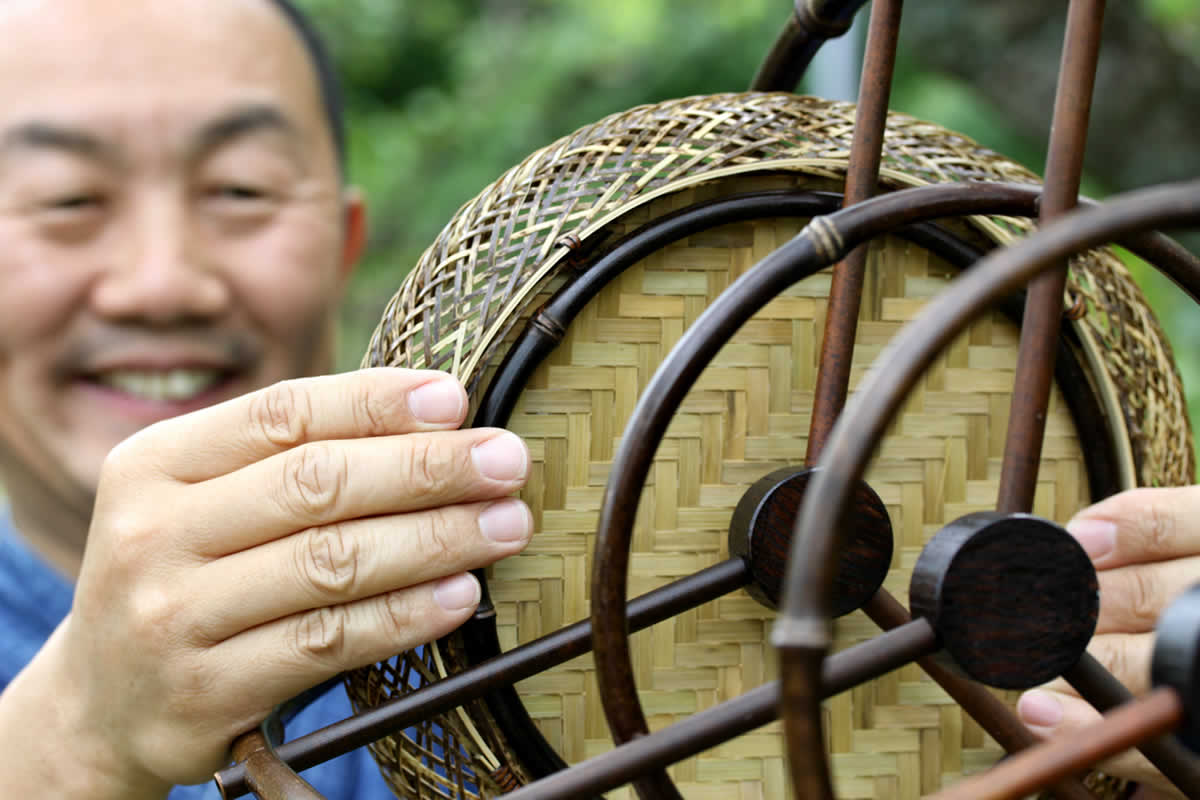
(747, 416)
(499, 259)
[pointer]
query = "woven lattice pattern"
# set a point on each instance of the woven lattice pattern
(467, 289)
(436, 758)
(1151, 397)
(498, 260)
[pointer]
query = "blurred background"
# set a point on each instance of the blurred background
(444, 96)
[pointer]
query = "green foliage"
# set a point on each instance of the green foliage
(1184, 13)
(445, 96)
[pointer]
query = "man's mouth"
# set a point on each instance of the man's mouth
(176, 385)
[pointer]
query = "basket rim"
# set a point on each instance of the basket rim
(551, 257)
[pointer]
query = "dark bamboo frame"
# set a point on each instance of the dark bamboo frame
(776, 272)
(813, 23)
(497, 672)
(802, 633)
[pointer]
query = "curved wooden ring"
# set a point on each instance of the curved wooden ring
(822, 242)
(788, 136)
(802, 634)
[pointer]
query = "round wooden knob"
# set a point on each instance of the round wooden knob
(1014, 598)
(761, 532)
(1176, 660)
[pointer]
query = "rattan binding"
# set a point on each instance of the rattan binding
(494, 264)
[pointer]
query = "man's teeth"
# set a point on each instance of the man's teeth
(163, 386)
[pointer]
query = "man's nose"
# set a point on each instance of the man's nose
(160, 273)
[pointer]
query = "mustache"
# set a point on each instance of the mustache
(90, 348)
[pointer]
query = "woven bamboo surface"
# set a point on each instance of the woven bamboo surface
(749, 414)
(469, 286)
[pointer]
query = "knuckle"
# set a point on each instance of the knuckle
(435, 537)
(156, 614)
(1145, 598)
(315, 477)
(120, 457)
(431, 465)
(1126, 657)
(320, 634)
(139, 454)
(373, 408)
(1158, 528)
(281, 414)
(133, 542)
(330, 561)
(397, 618)
(1112, 657)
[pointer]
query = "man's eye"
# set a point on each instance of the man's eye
(237, 192)
(75, 202)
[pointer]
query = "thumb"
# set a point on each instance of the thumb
(1053, 714)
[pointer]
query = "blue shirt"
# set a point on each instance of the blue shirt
(34, 599)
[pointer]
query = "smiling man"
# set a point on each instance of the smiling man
(176, 229)
(198, 528)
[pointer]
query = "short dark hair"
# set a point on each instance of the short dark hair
(327, 79)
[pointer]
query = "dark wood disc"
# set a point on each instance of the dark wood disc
(761, 532)
(1013, 597)
(1176, 661)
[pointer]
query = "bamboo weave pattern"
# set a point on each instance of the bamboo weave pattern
(497, 261)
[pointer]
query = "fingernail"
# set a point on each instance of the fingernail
(506, 521)
(457, 592)
(1040, 708)
(1097, 536)
(502, 458)
(437, 402)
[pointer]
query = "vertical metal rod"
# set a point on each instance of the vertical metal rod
(810, 777)
(833, 377)
(862, 178)
(1153, 715)
(1044, 304)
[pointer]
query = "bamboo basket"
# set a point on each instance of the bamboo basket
(508, 250)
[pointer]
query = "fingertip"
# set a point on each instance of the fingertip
(1097, 537)
(504, 457)
(507, 522)
(440, 401)
(457, 593)
(1040, 710)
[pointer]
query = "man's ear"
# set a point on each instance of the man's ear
(354, 215)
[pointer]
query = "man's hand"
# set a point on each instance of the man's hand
(243, 553)
(1145, 544)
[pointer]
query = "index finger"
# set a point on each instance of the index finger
(382, 401)
(1140, 526)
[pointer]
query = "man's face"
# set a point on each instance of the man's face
(172, 227)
